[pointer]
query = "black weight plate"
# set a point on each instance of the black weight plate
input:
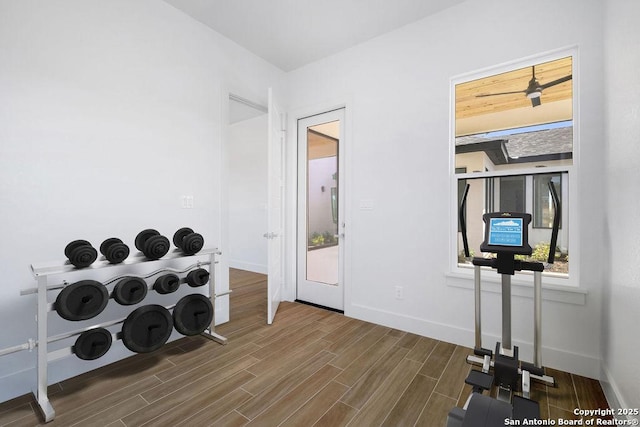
(156, 247)
(193, 314)
(197, 277)
(130, 291)
(82, 300)
(147, 328)
(83, 256)
(114, 250)
(117, 252)
(179, 235)
(192, 243)
(72, 245)
(143, 236)
(107, 243)
(167, 284)
(92, 344)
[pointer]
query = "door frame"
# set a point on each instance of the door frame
(291, 190)
(324, 294)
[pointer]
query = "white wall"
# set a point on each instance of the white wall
(248, 194)
(620, 344)
(396, 88)
(110, 111)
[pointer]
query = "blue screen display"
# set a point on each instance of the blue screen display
(505, 232)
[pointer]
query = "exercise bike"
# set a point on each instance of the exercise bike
(506, 235)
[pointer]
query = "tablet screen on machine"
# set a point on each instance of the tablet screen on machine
(506, 232)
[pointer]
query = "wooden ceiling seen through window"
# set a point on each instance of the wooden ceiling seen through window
(471, 103)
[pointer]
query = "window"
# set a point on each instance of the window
(542, 204)
(513, 134)
(512, 194)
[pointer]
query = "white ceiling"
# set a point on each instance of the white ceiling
(293, 33)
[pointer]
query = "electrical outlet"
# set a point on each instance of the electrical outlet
(399, 290)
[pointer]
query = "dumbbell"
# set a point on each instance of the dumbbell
(80, 253)
(197, 277)
(152, 244)
(167, 284)
(114, 250)
(188, 241)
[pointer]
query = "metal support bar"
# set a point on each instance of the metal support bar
(41, 393)
(477, 291)
(211, 332)
(537, 319)
(26, 346)
(506, 312)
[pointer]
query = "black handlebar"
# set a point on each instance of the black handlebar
(463, 225)
(557, 210)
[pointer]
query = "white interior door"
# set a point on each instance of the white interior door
(321, 209)
(275, 210)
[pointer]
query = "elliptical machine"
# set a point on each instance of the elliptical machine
(506, 235)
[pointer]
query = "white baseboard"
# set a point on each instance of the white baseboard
(563, 360)
(612, 392)
(248, 266)
(17, 384)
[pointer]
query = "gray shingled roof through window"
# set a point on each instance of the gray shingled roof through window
(530, 144)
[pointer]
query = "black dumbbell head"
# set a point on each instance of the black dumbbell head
(80, 253)
(114, 250)
(179, 235)
(189, 242)
(152, 244)
(156, 247)
(192, 243)
(167, 284)
(75, 244)
(143, 236)
(197, 277)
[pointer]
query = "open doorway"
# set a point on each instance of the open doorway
(254, 153)
(247, 155)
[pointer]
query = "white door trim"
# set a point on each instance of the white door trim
(293, 115)
(312, 286)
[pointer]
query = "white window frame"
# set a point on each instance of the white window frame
(572, 194)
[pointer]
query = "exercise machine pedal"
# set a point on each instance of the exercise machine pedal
(480, 381)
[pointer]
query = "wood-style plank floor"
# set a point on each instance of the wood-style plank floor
(312, 367)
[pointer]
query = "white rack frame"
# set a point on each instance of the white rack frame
(42, 273)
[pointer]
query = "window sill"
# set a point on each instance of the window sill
(520, 286)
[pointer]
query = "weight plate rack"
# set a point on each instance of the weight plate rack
(47, 279)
